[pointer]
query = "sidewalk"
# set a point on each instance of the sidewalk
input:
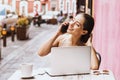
(25, 51)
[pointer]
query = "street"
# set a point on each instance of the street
(25, 51)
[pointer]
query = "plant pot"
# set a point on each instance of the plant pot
(21, 33)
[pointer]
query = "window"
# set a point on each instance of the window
(53, 5)
(61, 5)
(74, 6)
(84, 6)
(36, 7)
(23, 8)
(68, 6)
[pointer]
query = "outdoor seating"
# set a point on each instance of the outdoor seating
(37, 20)
(53, 21)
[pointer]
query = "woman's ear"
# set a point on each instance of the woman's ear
(84, 32)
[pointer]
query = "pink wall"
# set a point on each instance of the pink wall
(107, 34)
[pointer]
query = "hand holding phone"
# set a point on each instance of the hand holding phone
(64, 27)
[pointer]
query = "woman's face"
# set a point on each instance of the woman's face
(76, 26)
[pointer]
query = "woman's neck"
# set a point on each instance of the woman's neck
(76, 41)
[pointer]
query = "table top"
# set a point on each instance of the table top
(41, 75)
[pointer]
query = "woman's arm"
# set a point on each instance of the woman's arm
(53, 42)
(46, 48)
(94, 58)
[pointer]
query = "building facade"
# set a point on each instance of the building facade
(41, 6)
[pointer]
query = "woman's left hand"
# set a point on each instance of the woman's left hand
(89, 42)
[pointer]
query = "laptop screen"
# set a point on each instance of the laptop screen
(70, 60)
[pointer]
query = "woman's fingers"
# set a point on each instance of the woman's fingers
(65, 23)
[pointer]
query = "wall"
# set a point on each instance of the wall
(107, 34)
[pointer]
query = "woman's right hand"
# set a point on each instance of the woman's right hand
(63, 28)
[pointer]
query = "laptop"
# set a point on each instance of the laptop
(70, 61)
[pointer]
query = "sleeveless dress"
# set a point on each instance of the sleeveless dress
(65, 41)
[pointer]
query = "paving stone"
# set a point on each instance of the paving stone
(19, 52)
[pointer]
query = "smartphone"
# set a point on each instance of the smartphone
(64, 28)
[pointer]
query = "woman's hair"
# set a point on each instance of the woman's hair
(88, 25)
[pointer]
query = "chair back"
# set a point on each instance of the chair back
(99, 58)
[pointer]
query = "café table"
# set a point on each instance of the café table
(40, 74)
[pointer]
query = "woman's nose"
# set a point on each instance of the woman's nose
(71, 23)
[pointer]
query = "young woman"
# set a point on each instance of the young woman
(78, 33)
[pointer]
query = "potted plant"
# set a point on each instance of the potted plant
(22, 26)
